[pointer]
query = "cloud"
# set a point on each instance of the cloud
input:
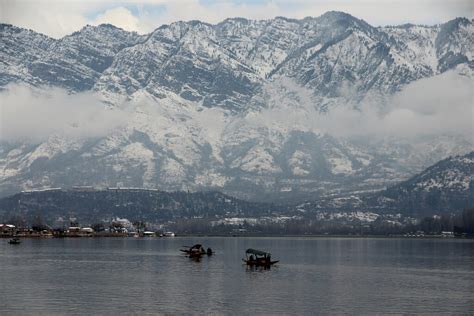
(55, 18)
(439, 105)
(121, 17)
(58, 18)
(435, 106)
(442, 104)
(33, 115)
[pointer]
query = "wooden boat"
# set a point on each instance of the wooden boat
(195, 254)
(196, 251)
(14, 241)
(197, 248)
(258, 258)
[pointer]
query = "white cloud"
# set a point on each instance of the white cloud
(443, 104)
(58, 18)
(55, 18)
(440, 105)
(119, 16)
(34, 115)
(436, 106)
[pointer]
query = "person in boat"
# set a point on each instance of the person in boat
(209, 251)
(258, 258)
(15, 241)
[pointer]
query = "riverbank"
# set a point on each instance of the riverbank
(122, 235)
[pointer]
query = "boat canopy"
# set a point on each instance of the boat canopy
(257, 252)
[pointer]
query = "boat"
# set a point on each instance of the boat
(196, 251)
(258, 258)
(14, 241)
(169, 234)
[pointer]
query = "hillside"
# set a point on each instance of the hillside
(264, 110)
(444, 188)
(90, 206)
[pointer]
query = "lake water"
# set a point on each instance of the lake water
(354, 276)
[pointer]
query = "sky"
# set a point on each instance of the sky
(59, 18)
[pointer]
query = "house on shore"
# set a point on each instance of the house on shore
(7, 230)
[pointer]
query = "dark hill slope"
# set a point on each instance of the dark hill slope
(134, 204)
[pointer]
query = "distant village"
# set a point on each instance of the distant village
(122, 227)
(119, 227)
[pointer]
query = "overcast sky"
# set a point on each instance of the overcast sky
(58, 18)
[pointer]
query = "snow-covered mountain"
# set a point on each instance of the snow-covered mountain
(259, 109)
(445, 187)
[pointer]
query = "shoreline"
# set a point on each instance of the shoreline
(242, 236)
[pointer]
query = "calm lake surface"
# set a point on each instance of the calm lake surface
(315, 276)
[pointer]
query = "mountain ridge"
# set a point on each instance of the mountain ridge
(238, 106)
(443, 188)
(338, 23)
(402, 203)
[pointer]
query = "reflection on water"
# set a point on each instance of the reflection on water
(314, 275)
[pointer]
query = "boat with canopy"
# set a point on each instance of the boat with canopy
(258, 258)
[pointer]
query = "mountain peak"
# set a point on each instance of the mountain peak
(337, 15)
(230, 99)
(234, 20)
(197, 23)
(104, 28)
(109, 26)
(344, 20)
(6, 27)
(283, 18)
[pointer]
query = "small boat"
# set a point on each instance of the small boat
(196, 251)
(258, 258)
(14, 241)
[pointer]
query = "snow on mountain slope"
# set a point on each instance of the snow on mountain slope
(444, 187)
(250, 107)
(454, 43)
(182, 59)
(415, 46)
(76, 61)
(20, 47)
(455, 174)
